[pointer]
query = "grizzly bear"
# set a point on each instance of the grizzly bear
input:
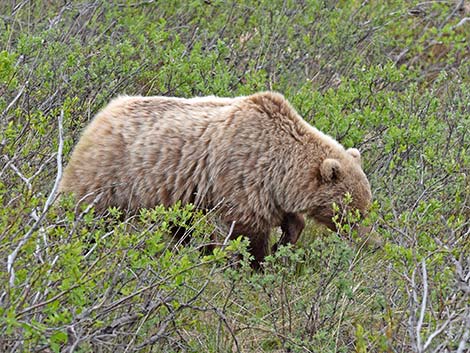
(251, 157)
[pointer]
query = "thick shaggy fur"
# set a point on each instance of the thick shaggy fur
(253, 157)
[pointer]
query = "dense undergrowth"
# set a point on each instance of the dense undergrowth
(391, 78)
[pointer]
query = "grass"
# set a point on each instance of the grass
(391, 78)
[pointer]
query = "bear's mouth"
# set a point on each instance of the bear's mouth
(324, 220)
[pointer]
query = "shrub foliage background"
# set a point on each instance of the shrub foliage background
(391, 78)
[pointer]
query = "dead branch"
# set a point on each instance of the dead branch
(12, 257)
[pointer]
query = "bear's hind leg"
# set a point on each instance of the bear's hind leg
(258, 248)
(259, 242)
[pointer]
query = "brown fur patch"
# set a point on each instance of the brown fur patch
(254, 157)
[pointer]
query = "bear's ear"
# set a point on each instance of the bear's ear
(330, 169)
(354, 152)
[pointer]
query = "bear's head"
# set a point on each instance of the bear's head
(338, 176)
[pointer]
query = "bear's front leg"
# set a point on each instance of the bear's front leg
(259, 242)
(292, 226)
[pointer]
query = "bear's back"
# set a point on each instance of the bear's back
(144, 151)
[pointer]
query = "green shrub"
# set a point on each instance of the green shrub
(390, 78)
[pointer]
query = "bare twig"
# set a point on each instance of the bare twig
(466, 335)
(461, 22)
(436, 333)
(423, 306)
(12, 103)
(18, 172)
(12, 257)
(454, 11)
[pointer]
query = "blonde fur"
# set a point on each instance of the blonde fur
(253, 156)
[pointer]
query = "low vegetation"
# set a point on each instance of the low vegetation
(391, 78)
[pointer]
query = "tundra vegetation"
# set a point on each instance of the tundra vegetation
(389, 77)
